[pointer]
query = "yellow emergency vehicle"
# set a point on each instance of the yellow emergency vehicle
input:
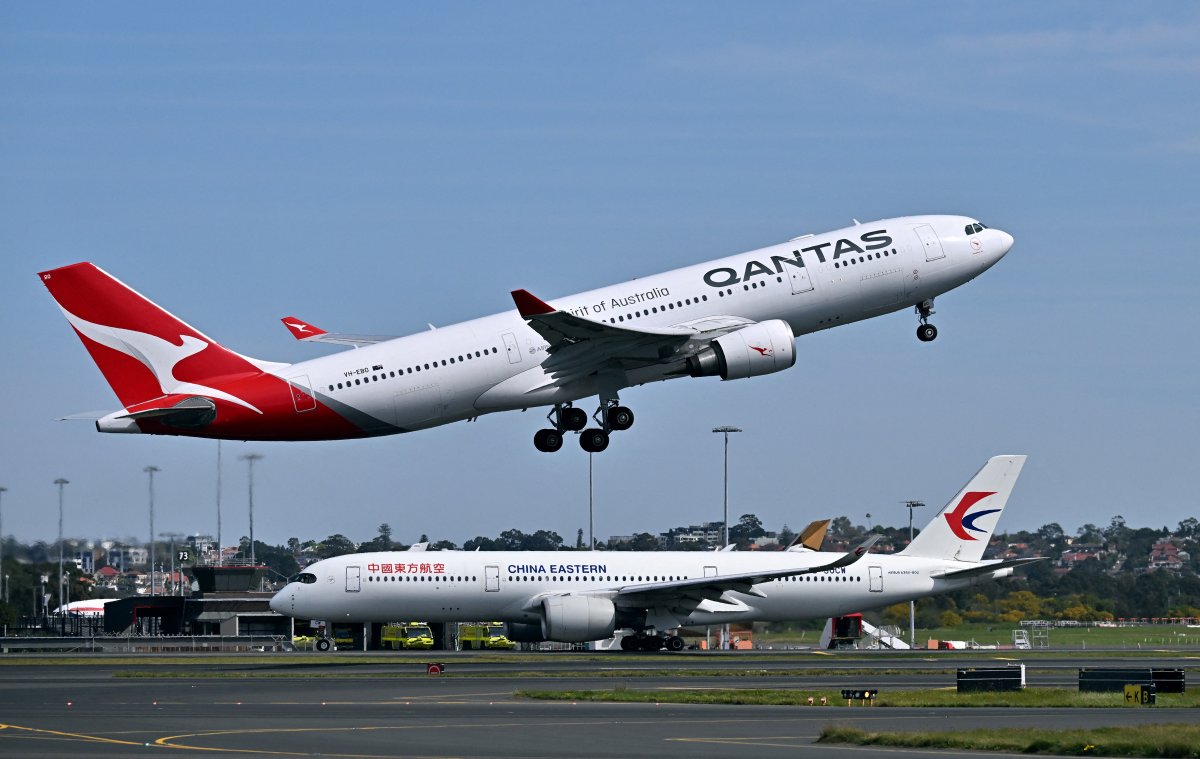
(484, 635)
(408, 635)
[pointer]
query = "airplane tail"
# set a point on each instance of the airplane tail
(962, 528)
(143, 351)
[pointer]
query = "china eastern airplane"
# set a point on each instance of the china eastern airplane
(576, 596)
(731, 318)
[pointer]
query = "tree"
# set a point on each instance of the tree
(385, 537)
(746, 530)
(786, 535)
(1187, 528)
(579, 539)
(1050, 533)
(841, 526)
(335, 545)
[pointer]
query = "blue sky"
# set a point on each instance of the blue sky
(410, 163)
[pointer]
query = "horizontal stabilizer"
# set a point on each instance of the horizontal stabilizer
(84, 416)
(310, 333)
(986, 569)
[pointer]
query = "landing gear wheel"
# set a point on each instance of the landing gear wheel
(651, 643)
(547, 441)
(323, 644)
(593, 440)
(926, 333)
(620, 418)
(629, 643)
(674, 643)
(573, 419)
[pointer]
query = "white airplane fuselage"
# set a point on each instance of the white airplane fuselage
(461, 586)
(733, 317)
(586, 595)
(758, 285)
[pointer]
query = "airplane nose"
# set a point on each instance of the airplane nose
(277, 603)
(1005, 243)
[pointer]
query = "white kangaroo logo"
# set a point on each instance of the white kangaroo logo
(158, 355)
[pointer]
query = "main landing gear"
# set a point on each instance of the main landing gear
(926, 332)
(643, 642)
(610, 416)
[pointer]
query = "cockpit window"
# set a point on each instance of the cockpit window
(308, 578)
(975, 228)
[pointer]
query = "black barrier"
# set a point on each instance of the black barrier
(1114, 680)
(976, 680)
(1169, 680)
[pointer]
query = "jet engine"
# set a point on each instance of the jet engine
(524, 632)
(762, 348)
(574, 619)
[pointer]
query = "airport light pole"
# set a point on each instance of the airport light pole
(150, 470)
(250, 458)
(172, 536)
(591, 522)
(60, 482)
(912, 605)
(218, 503)
(725, 430)
(3, 577)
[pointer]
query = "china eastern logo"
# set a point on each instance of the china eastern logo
(960, 521)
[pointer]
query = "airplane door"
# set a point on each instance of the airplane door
(876, 579)
(511, 347)
(930, 242)
(801, 282)
(353, 579)
(491, 578)
(710, 571)
(302, 397)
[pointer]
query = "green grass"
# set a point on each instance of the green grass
(605, 673)
(1168, 740)
(940, 697)
(1082, 638)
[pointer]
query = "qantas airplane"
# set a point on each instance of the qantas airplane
(582, 596)
(731, 318)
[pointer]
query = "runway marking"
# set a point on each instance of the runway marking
(75, 736)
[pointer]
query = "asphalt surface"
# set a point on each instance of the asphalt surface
(352, 705)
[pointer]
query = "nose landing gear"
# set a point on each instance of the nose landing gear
(926, 332)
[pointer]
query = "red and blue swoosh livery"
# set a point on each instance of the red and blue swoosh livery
(960, 520)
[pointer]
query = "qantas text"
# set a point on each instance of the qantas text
(725, 275)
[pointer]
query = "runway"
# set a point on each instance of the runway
(339, 705)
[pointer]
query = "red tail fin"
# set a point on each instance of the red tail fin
(143, 351)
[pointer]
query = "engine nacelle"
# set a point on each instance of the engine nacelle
(762, 348)
(524, 632)
(575, 619)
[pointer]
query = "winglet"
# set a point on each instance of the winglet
(529, 304)
(300, 329)
(849, 557)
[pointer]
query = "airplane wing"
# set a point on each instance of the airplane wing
(579, 346)
(309, 333)
(691, 592)
(683, 596)
(985, 569)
